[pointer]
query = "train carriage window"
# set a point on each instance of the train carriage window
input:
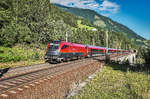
(64, 46)
(109, 51)
(101, 50)
(94, 50)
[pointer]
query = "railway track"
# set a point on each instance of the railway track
(22, 70)
(12, 84)
(14, 72)
(19, 78)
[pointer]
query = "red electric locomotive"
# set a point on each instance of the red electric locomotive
(58, 51)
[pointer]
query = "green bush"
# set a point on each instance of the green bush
(36, 56)
(144, 52)
(18, 53)
(1, 51)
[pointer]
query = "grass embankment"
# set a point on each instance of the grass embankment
(117, 82)
(20, 56)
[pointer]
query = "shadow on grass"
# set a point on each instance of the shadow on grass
(124, 67)
(132, 68)
(3, 71)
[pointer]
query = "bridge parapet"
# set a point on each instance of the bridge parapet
(128, 57)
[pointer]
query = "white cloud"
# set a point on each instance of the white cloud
(87, 4)
(106, 6)
(109, 6)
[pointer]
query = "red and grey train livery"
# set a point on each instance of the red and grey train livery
(58, 51)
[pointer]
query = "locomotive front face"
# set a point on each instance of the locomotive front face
(52, 50)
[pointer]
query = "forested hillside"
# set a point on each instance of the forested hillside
(104, 22)
(30, 21)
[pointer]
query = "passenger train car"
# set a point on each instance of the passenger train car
(58, 51)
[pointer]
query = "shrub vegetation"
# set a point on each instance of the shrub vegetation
(18, 53)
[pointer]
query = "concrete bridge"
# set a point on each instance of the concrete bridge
(128, 58)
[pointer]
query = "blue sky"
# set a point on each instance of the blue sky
(135, 14)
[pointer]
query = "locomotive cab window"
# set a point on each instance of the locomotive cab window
(64, 46)
(53, 47)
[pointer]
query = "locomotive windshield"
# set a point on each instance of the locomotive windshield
(54, 45)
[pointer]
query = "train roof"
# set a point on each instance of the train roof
(80, 45)
(96, 47)
(75, 44)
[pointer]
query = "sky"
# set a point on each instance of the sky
(134, 14)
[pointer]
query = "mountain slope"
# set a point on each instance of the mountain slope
(38, 22)
(104, 22)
